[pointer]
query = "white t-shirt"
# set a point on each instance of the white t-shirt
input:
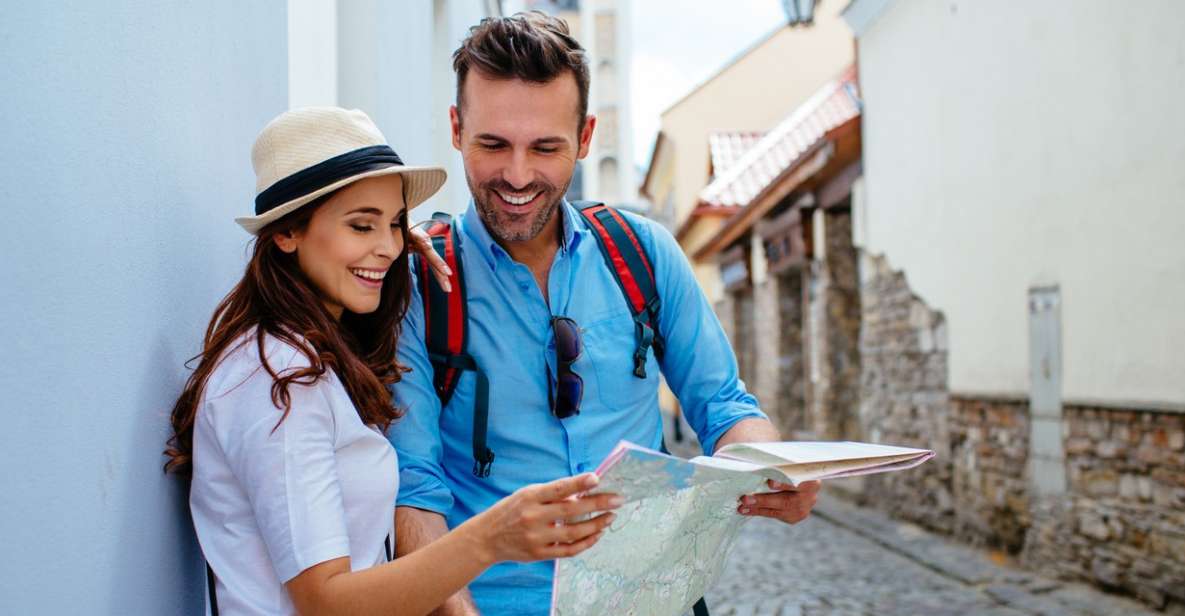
(268, 504)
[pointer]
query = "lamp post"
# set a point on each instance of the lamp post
(799, 12)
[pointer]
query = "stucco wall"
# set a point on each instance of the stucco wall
(1007, 146)
(126, 153)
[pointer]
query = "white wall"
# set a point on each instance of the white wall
(394, 61)
(126, 155)
(1009, 144)
(312, 54)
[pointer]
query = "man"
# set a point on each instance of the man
(521, 123)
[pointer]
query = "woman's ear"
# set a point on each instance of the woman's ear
(286, 241)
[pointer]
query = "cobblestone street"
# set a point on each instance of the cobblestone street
(848, 560)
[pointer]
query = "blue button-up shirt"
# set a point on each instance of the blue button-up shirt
(510, 337)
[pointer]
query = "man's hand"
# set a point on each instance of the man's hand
(787, 503)
(419, 241)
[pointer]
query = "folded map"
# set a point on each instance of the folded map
(672, 535)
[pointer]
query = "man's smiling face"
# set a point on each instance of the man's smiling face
(520, 142)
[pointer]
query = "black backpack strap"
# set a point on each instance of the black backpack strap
(634, 273)
(446, 325)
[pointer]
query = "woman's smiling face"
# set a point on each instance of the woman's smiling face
(350, 243)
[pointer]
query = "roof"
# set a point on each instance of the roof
(836, 103)
(727, 147)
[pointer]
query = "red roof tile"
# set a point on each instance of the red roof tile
(726, 147)
(831, 106)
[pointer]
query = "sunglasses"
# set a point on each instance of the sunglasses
(567, 388)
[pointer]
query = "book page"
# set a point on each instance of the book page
(802, 452)
(728, 464)
(845, 468)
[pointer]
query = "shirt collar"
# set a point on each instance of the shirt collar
(475, 229)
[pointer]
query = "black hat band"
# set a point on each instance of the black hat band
(322, 174)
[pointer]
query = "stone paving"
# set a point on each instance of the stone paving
(845, 560)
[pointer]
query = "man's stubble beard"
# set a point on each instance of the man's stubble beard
(498, 223)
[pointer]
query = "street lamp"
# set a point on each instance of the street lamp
(799, 12)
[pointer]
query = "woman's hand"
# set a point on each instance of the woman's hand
(534, 523)
(421, 242)
(537, 522)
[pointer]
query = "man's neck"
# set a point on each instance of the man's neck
(539, 251)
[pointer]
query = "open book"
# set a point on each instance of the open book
(797, 461)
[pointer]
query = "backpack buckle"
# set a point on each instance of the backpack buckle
(644, 335)
(483, 464)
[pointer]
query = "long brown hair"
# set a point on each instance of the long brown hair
(277, 299)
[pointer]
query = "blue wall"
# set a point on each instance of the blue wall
(124, 156)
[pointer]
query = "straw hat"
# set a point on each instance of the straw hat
(309, 152)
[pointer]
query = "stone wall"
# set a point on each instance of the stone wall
(903, 395)
(832, 326)
(843, 322)
(765, 375)
(743, 331)
(1122, 524)
(791, 417)
(752, 318)
(989, 443)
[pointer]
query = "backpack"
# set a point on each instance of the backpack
(446, 318)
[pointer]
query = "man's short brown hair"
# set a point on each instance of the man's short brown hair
(531, 46)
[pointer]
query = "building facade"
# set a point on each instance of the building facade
(784, 251)
(750, 94)
(1022, 278)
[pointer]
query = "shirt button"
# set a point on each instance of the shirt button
(581, 468)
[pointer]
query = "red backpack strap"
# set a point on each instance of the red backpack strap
(446, 326)
(634, 273)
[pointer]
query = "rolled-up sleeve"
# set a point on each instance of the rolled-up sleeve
(699, 364)
(416, 436)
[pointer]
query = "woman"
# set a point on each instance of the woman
(281, 424)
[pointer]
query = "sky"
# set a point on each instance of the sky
(678, 44)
